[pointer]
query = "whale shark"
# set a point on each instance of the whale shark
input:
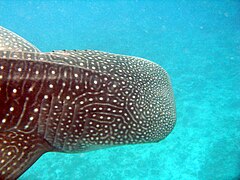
(76, 101)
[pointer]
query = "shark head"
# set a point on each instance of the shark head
(75, 101)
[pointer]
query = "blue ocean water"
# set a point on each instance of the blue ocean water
(197, 42)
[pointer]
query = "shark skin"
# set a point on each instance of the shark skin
(76, 101)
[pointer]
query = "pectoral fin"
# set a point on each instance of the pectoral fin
(18, 151)
(9, 41)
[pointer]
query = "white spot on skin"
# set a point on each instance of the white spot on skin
(11, 109)
(14, 90)
(50, 85)
(19, 69)
(68, 97)
(30, 89)
(35, 110)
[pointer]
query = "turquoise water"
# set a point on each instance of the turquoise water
(198, 43)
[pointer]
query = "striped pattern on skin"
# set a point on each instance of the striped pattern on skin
(75, 101)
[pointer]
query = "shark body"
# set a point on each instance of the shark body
(76, 101)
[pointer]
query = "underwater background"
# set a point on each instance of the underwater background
(197, 42)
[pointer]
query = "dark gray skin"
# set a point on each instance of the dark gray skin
(75, 101)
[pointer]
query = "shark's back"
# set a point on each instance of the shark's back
(74, 101)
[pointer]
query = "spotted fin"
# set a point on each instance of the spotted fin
(18, 152)
(13, 42)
